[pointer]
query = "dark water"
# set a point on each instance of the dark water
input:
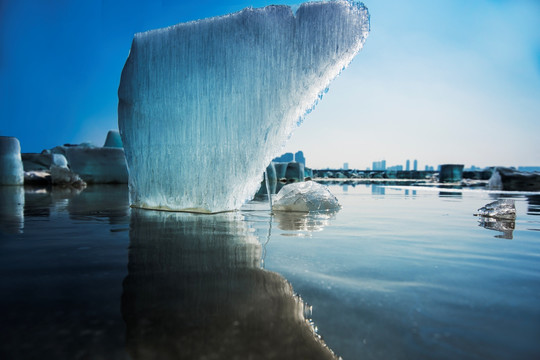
(398, 273)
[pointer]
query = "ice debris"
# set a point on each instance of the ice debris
(305, 197)
(500, 209)
(513, 180)
(205, 106)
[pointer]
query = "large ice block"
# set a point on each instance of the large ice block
(96, 165)
(204, 106)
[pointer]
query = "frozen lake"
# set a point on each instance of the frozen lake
(398, 273)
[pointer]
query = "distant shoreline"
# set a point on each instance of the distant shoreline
(338, 181)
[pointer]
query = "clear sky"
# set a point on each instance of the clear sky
(454, 81)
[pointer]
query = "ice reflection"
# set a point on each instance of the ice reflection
(505, 226)
(11, 209)
(534, 205)
(299, 221)
(450, 194)
(101, 201)
(195, 290)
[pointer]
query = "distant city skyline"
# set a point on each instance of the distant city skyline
(440, 81)
(382, 164)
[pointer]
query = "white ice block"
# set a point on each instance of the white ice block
(205, 106)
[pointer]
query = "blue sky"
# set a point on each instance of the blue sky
(455, 81)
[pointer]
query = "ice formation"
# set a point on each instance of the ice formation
(59, 160)
(305, 197)
(96, 165)
(205, 106)
(11, 166)
(113, 139)
(501, 209)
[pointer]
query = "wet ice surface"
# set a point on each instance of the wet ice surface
(501, 209)
(396, 273)
(306, 196)
(197, 99)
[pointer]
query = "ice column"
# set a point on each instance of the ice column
(11, 167)
(204, 106)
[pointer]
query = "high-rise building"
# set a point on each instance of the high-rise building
(415, 165)
(346, 166)
(407, 165)
(379, 165)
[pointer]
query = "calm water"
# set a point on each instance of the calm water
(397, 273)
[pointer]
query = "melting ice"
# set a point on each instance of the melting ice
(501, 209)
(204, 106)
(305, 196)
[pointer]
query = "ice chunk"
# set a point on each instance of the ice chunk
(37, 162)
(305, 196)
(501, 209)
(105, 165)
(59, 160)
(63, 176)
(513, 180)
(11, 167)
(113, 139)
(206, 105)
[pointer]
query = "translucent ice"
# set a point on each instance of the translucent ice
(96, 165)
(113, 139)
(305, 196)
(501, 209)
(11, 166)
(204, 106)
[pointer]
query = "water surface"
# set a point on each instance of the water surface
(398, 272)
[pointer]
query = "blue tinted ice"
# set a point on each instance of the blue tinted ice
(204, 106)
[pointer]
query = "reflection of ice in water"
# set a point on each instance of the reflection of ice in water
(502, 225)
(12, 209)
(195, 289)
(102, 201)
(499, 215)
(298, 221)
